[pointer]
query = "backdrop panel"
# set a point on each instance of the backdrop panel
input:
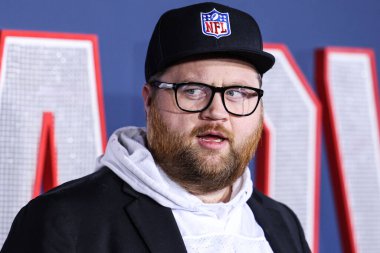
(290, 163)
(46, 74)
(348, 87)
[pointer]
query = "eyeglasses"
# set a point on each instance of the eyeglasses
(197, 97)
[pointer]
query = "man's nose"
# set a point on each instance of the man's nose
(216, 110)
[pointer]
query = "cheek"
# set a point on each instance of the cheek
(165, 101)
(179, 122)
(243, 127)
(166, 104)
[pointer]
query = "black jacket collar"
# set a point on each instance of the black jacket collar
(155, 223)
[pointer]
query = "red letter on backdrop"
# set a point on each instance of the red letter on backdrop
(348, 88)
(46, 172)
(51, 114)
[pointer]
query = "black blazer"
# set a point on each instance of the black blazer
(101, 213)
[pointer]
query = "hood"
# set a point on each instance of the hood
(127, 156)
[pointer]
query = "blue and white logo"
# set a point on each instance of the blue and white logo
(215, 23)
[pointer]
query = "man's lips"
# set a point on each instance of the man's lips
(212, 135)
(212, 139)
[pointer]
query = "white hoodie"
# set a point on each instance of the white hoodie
(219, 227)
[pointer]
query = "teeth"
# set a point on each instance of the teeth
(212, 140)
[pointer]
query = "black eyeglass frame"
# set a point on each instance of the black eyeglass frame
(221, 90)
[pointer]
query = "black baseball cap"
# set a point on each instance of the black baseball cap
(205, 30)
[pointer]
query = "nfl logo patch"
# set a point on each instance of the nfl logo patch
(215, 23)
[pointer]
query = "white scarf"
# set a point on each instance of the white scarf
(226, 226)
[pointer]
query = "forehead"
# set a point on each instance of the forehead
(216, 72)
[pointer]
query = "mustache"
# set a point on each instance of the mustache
(217, 128)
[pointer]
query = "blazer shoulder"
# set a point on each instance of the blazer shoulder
(261, 202)
(99, 189)
(87, 187)
(82, 211)
(269, 203)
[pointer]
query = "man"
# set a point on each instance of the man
(183, 184)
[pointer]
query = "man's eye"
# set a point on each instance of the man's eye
(236, 93)
(193, 91)
(240, 93)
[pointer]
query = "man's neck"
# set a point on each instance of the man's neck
(223, 195)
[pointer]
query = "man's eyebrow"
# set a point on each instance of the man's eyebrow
(252, 83)
(238, 83)
(243, 83)
(201, 79)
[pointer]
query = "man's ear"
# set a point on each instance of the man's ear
(147, 96)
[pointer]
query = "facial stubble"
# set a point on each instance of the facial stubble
(199, 170)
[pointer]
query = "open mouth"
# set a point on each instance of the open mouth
(212, 137)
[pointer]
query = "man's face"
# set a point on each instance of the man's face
(205, 151)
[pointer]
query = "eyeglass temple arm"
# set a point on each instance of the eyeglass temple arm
(165, 85)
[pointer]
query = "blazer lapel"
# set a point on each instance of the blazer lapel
(275, 229)
(155, 223)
